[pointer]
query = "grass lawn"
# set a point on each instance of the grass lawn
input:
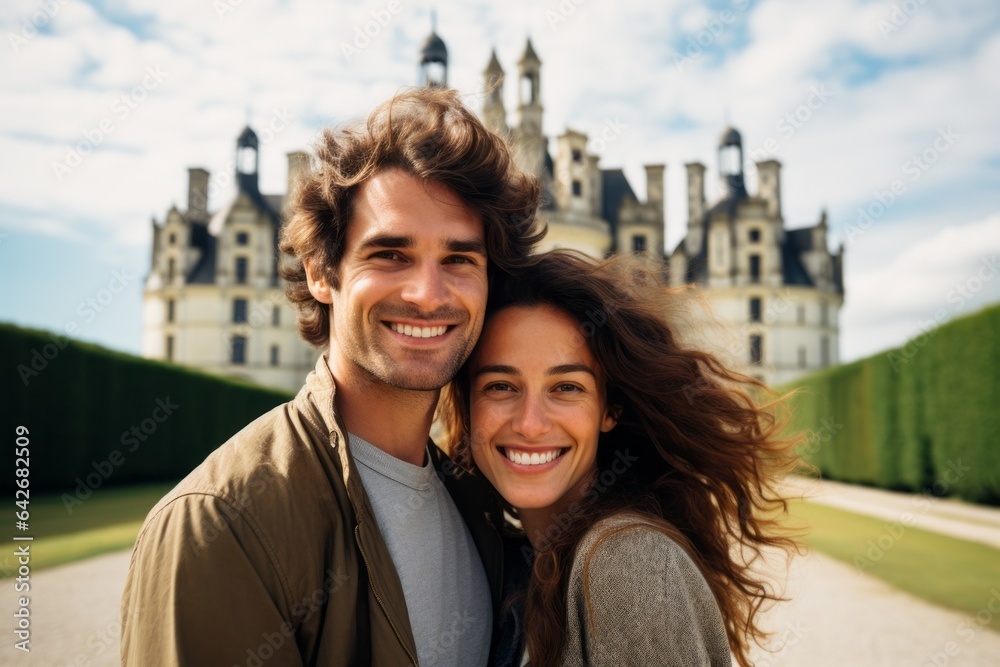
(945, 570)
(106, 521)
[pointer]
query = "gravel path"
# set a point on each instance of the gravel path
(837, 615)
(74, 614)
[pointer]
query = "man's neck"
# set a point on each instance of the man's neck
(397, 421)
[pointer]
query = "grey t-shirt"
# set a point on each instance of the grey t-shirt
(447, 594)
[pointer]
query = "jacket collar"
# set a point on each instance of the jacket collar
(479, 508)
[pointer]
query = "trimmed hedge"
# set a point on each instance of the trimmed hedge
(921, 417)
(81, 402)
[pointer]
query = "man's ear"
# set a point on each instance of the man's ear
(318, 285)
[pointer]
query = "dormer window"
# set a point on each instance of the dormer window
(242, 238)
(577, 155)
(754, 236)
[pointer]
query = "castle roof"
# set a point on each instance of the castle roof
(434, 50)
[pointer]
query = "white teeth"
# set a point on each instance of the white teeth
(533, 459)
(417, 332)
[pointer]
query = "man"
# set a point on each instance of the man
(322, 533)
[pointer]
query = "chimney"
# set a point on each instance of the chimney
(197, 208)
(696, 206)
(769, 186)
(654, 188)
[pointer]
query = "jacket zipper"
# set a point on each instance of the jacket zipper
(361, 548)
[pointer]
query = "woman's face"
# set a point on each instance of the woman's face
(537, 406)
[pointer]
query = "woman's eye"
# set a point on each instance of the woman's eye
(498, 387)
(567, 387)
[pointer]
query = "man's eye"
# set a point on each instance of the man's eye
(460, 259)
(387, 254)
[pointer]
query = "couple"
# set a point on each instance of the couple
(603, 484)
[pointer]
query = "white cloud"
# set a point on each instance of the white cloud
(932, 280)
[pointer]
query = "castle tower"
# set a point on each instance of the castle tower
(731, 164)
(494, 114)
(434, 59)
(247, 161)
(531, 141)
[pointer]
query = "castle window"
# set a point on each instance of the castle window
(577, 155)
(239, 311)
(528, 89)
(754, 235)
(824, 315)
(756, 343)
(170, 310)
(755, 309)
(801, 314)
(242, 238)
(824, 351)
(276, 316)
(170, 348)
(577, 188)
(241, 270)
(638, 243)
(172, 239)
(755, 268)
(238, 353)
(802, 357)
(274, 355)
(171, 269)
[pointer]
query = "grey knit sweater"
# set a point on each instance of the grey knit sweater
(637, 598)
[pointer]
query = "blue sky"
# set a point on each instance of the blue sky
(853, 97)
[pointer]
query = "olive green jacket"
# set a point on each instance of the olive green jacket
(269, 554)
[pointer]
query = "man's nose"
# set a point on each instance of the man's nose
(426, 288)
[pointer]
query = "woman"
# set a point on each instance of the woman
(634, 466)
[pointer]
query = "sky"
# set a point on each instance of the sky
(883, 114)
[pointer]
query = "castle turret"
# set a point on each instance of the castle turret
(494, 114)
(731, 164)
(531, 141)
(247, 161)
(434, 59)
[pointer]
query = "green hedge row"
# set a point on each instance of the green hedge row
(97, 417)
(922, 417)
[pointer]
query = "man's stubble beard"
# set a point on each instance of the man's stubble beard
(381, 367)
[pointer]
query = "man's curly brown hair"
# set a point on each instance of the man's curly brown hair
(430, 134)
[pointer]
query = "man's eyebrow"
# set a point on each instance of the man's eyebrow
(571, 368)
(470, 245)
(497, 368)
(387, 241)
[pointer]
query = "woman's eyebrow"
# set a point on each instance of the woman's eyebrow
(571, 368)
(497, 368)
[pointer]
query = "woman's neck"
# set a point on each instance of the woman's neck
(543, 525)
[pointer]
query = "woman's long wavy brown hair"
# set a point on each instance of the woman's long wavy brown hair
(709, 453)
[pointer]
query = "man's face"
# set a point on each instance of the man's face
(412, 277)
